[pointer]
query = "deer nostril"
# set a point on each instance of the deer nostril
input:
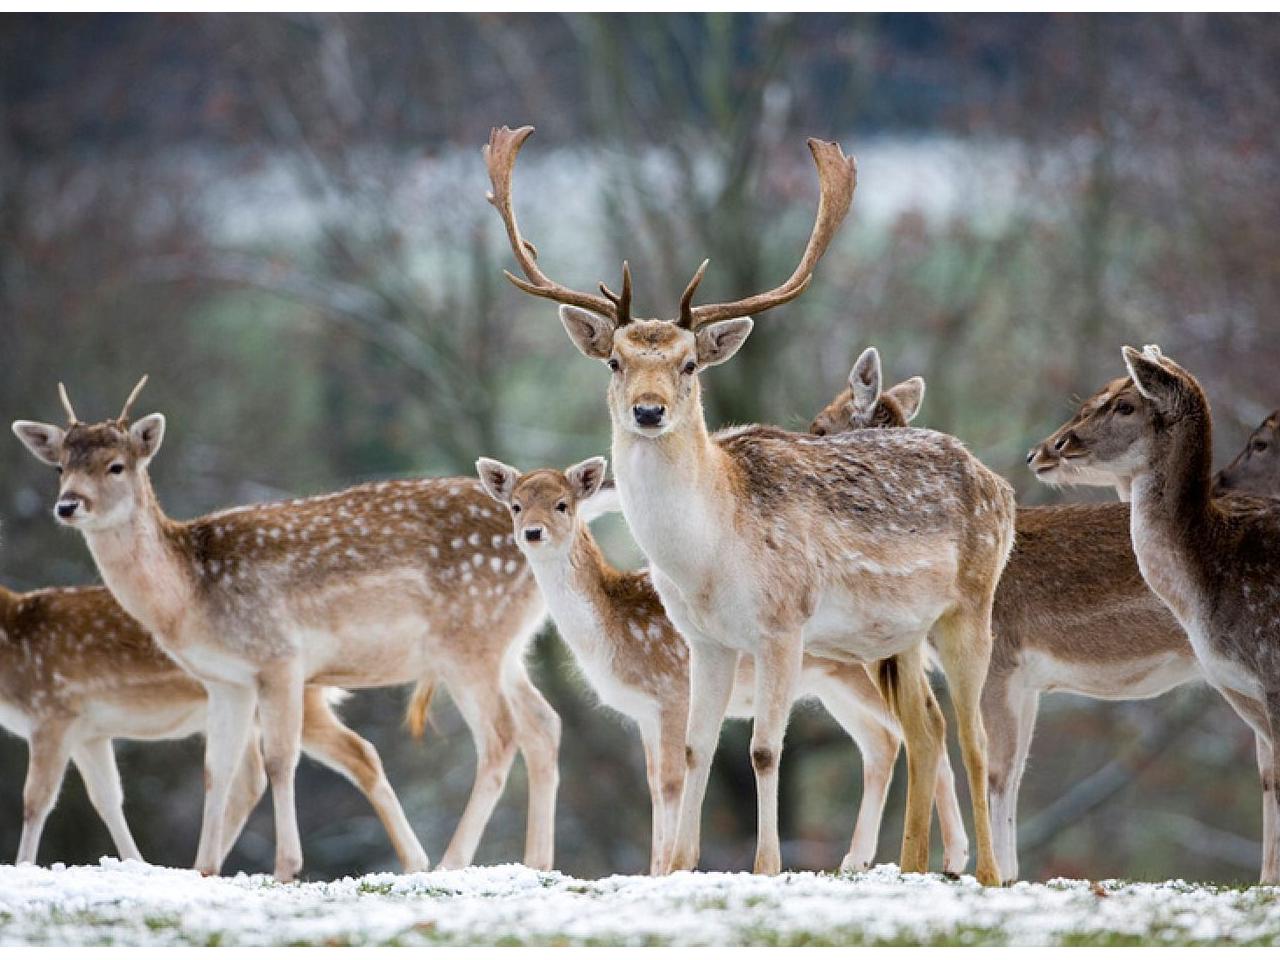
(648, 415)
(533, 534)
(1061, 441)
(67, 508)
(1031, 454)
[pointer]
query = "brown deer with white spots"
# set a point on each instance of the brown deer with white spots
(1214, 562)
(382, 584)
(770, 543)
(638, 664)
(77, 672)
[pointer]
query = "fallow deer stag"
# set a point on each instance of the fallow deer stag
(1213, 561)
(76, 672)
(382, 584)
(638, 664)
(769, 543)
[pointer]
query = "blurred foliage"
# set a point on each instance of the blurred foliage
(281, 218)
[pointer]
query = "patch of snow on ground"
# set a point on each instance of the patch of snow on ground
(135, 904)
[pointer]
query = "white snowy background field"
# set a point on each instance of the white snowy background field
(134, 904)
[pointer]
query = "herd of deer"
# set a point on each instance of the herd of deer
(835, 564)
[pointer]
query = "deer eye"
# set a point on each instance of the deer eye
(613, 364)
(1124, 408)
(58, 469)
(690, 366)
(562, 507)
(116, 468)
(515, 508)
(1259, 446)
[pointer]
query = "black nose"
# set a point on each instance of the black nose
(648, 415)
(66, 508)
(1031, 454)
(533, 534)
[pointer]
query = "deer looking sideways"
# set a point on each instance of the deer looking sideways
(638, 664)
(379, 585)
(769, 543)
(76, 672)
(1214, 562)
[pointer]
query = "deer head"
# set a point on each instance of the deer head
(655, 363)
(1116, 433)
(102, 467)
(544, 504)
(864, 404)
(1256, 469)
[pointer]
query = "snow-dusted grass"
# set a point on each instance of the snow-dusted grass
(133, 904)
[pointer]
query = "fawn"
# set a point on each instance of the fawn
(382, 584)
(770, 543)
(637, 662)
(76, 672)
(1213, 561)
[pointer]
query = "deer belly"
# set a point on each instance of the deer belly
(1119, 679)
(848, 627)
(147, 714)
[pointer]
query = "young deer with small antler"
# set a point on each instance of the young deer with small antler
(1213, 561)
(770, 543)
(379, 585)
(638, 664)
(76, 672)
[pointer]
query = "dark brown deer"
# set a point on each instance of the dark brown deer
(1214, 562)
(1256, 468)
(383, 584)
(770, 543)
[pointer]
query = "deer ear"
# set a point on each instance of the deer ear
(717, 342)
(864, 380)
(499, 480)
(42, 439)
(586, 477)
(1154, 380)
(910, 395)
(147, 434)
(590, 332)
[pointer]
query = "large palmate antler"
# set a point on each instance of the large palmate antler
(500, 158)
(837, 179)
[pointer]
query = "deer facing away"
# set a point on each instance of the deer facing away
(637, 662)
(76, 672)
(382, 584)
(1214, 562)
(769, 543)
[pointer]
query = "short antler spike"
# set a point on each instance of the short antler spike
(124, 413)
(686, 299)
(66, 404)
(622, 302)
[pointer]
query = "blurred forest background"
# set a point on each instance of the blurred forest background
(282, 220)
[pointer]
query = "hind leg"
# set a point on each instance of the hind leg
(326, 738)
(97, 766)
(924, 735)
(963, 640)
(538, 737)
(488, 715)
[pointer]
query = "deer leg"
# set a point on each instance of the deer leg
(673, 722)
(777, 676)
(97, 766)
(230, 723)
(963, 640)
(1261, 721)
(1009, 708)
(47, 756)
(712, 670)
(537, 734)
(924, 735)
(246, 790)
(649, 738)
(327, 739)
(487, 713)
(280, 713)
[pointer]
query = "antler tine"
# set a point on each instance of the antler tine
(621, 301)
(500, 158)
(66, 404)
(133, 395)
(837, 180)
(686, 299)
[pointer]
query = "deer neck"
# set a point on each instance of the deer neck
(673, 490)
(1170, 515)
(141, 564)
(573, 583)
